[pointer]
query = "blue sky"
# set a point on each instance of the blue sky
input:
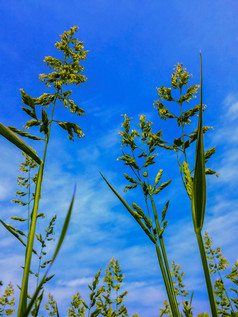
(133, 47)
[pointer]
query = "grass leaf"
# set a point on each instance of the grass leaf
(10, 136)
(199, 181)
(198, 203)
(131, 211)
(59, 244)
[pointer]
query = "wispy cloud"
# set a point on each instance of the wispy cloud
(231, 107)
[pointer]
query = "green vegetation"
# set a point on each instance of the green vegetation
(65, 72)
(142, 144)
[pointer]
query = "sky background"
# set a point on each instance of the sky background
(133, 46)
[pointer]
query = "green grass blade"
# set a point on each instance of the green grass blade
(37, 307)
(198, 203)
(65, 227)
(131, 211)
(210, 291)
(57, 311)
(173, 305)
(167, 283)
(166, 274)
(59, 244)
(10, 136)
(29, 248)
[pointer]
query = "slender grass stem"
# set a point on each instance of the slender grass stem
(207, 275)
(173, 305)
(29, 202)
(147, 206)
(161, 241)
(31, 236)
(49, 129)
(29, 248)
(165, 259)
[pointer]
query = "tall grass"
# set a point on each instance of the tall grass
(105, 300)
(65, 72)
(195, 186)
(142, 145)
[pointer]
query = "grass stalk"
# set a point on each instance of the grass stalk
(162, 257)
(169, 282)
(29, 202)
(198, 202)
(173, 304)
(59, 244)
(23, 296)
(73, 51)
(173, 301)
(31, 236)
(207, 275)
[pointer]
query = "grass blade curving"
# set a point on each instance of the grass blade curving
(167, 282)
(10, 136)
(59, 244)
(131, 211)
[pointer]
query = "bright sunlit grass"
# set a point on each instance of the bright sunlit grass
(139, 149)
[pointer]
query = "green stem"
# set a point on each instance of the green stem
(38, 271)
(31, 236)
(29, 202)
(172, 299)
(173, 305)
(165, 258)
(207, 275)
(117, 304)
(29, 247)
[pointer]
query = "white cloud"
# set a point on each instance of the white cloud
(76, 282)
(231, 102)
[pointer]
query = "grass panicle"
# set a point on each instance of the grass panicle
(65, 72)
(195, 185)
(141, 156)
(105, 300)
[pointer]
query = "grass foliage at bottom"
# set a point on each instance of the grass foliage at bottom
(106, 300)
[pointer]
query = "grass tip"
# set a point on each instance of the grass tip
(75, 187)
